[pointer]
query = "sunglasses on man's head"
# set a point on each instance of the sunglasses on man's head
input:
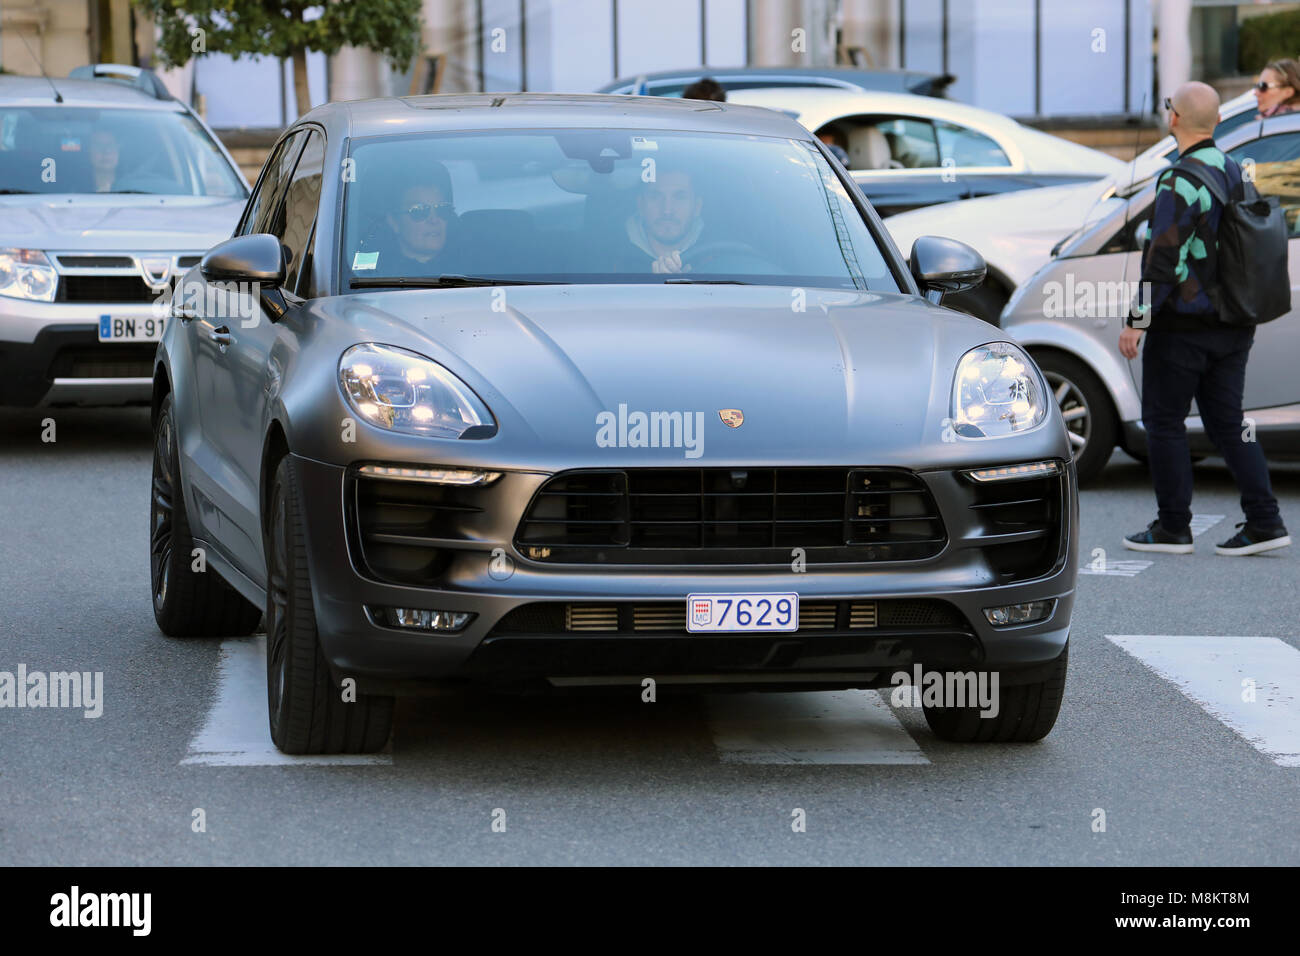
(1169, 105)
(422, 210)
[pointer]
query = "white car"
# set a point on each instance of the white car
(109, 190)
(909, 151)
(1016, 234)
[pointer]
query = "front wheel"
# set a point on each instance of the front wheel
(1026, 712)
(1085, 405)
(308, 712)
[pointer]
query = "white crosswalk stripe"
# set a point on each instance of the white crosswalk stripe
(1203, 523)
(1251, 684)
(833, 727)
(235, 733)
(1122, 568)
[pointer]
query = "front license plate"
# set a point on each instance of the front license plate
(742, 612)
(131, 328)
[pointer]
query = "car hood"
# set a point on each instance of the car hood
(857, 377)
(128, 223)
(1014, 232)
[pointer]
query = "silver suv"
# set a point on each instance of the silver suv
(109, 190)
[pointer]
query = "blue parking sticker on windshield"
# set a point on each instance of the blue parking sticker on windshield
(364, 260)
(70, 144)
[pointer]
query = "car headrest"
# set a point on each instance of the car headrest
(869, 149)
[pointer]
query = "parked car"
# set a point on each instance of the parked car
(673, 82)
(1068, 315)
(443, 420)
(910, 151)
(1017, 233)
(109, 189)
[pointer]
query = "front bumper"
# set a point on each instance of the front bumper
(961, 578)
(50, 354)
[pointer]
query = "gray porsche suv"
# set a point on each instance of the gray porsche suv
(109, 190)
(573, 391)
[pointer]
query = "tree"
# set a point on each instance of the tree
(280, 28)
(1270, 37)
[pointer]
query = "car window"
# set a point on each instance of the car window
(594, 205)
(884, 142)
(263, 205)
(960, 146)
(67, 149)
(678, 86)
(1276, 170)
(300, 202)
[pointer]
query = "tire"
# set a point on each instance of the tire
(984, 302)
(306, 709)
(1026, 712)
(1086, 406)
(186, 603)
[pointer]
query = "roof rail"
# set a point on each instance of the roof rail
(133, 76)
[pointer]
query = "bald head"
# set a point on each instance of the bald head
(1197, 106)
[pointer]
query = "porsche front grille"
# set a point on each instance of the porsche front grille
(669, 617)
(719, 516)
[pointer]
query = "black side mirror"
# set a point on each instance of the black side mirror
(256, 259)
(941, 266)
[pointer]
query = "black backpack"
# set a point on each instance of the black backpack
(1253, 283)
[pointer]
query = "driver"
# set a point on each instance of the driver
(104, 156)
(416, 236)
(666, 224)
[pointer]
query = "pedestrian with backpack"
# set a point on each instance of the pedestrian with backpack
(1215, 266)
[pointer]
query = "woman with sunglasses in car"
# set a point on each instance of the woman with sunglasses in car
(1278, 88)
(420, 226)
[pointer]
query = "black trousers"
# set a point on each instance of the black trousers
(1209, 366)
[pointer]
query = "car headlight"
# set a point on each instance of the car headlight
(996, 391)
(403, 391)
(27, 274)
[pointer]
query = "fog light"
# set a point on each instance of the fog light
(1019, 613)
(1037, 469)
(421, 619)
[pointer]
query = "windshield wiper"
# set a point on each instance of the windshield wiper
(439, 282)
(14, 192)
(683, 280)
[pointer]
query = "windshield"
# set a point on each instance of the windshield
(58, 149)
(603, 206)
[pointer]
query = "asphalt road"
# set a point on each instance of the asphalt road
(1151, 732)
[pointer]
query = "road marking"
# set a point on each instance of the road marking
(235, 733)
(1123, 568)
(828, 727)
(1203, 523)
(1131, 567)
(1210, 672)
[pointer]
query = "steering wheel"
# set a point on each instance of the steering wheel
(718, 255)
